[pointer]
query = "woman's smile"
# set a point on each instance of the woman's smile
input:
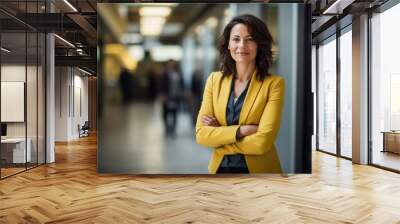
(241, 45)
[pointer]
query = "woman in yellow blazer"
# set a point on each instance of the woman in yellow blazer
(242, 104)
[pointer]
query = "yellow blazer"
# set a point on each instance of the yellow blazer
(262, 106)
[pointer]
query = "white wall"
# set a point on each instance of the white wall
(16, 73)
(12, 101)
(71, 93)
(13, 73)
(80, 89)
(62, 81)
(33, 125)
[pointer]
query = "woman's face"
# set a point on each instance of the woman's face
(242, 47)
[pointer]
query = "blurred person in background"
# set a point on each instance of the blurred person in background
(152, 80)
(126, 82)
(145, 88)
(172, 90)
(243, 103)
(196, 92)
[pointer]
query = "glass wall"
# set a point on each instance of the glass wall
(327, 95)
(13, 145)
(13, 91)
(334, 93)
(22, 89)
(346, 92)
(314, 90)
(385, 89)
(31, 100)
(41, 96)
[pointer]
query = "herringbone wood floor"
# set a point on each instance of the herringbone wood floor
(70, 191)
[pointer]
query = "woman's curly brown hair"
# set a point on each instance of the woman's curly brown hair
(261, 35)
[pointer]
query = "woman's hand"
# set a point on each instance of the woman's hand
(246, 130)
(210, 121)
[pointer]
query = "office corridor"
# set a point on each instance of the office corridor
(146, 149)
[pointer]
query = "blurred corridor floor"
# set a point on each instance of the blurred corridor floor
(133, 141)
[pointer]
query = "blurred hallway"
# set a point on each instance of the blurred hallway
(136, 142)
(136, 47)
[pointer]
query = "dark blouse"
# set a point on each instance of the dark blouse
(232, 117)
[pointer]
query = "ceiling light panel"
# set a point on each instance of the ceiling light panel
(70, 5)
(150, 26)
(5, 50)
(154, 11)
(64, 40)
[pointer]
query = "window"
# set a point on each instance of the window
(385, 88)
(327, 96)
(22, 66)
(346, 93)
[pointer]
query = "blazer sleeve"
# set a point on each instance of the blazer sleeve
(212, 136)
(263, 140)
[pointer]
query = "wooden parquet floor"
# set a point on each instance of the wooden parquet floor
(70, 191)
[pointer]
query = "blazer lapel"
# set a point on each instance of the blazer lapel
(223, 99)
(252, 92)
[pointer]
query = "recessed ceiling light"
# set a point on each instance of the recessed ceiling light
(84, 71)
(151, 26)
(70, 5)
(64, 40)
(154, 11)
(5, 49)
(337, 7)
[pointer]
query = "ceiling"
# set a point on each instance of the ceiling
(80, 27)
(326, 21)
(76, 25)
(181, 16)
